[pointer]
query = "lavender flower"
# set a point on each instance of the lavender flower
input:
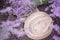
(5, 10)
(57, 28)
(18, 33)
(4, 33)
(57, 11)
(8, 26)
(21, 7)
(56, 37)
(15, 23)
(56, 8)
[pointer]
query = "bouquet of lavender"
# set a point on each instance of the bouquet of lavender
(56, 13)
(17, 7)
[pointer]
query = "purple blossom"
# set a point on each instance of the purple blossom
(4, 33)
(56, 37)
(46, 9)
(18, 7)
(18, 33)
(57, 28)
(8, 26)
(6, 10)
(21, 7)
(57, 11)
(15, 23)
(56, 8)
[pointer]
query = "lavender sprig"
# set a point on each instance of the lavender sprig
(56, 8)
(21, 7)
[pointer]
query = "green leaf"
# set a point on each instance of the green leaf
(36, 2)
(45, 2)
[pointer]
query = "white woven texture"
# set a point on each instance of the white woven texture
(37, 25)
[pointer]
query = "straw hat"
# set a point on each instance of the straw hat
(37, 25)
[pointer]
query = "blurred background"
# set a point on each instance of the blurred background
(8, 15)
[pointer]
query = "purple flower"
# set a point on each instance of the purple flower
(57, 11)
(57, 28)
(56, 37)
(21, 7)
(56, 8)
